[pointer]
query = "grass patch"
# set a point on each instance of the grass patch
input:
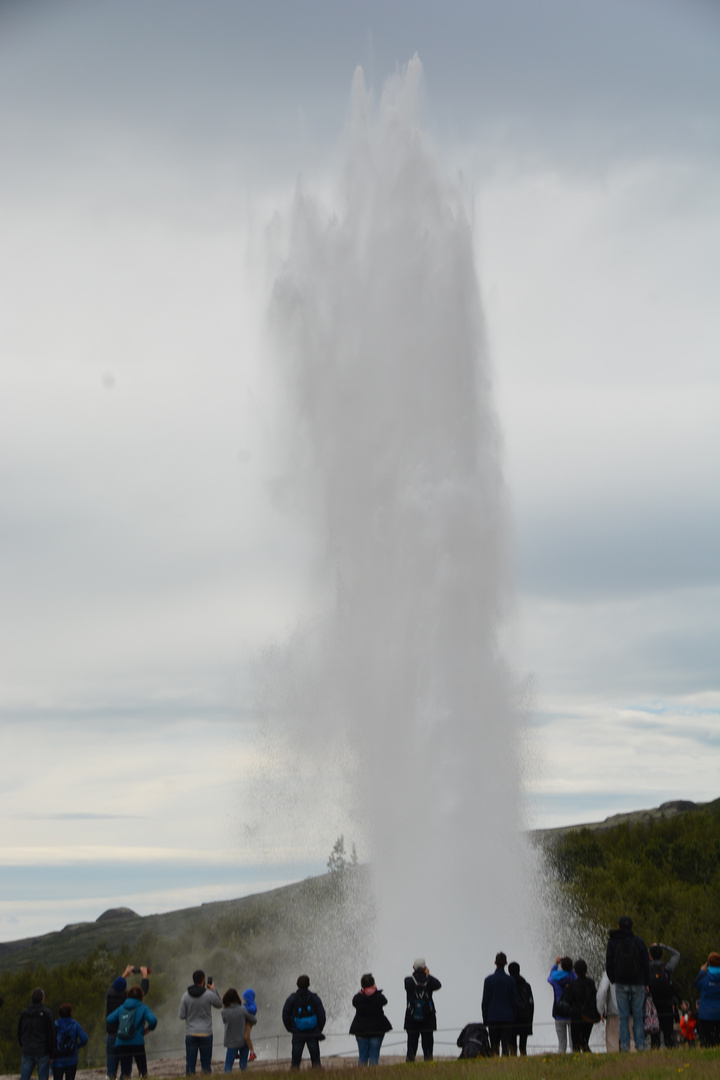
(655, 1065)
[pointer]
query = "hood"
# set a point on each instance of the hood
(196, 991)
(36, 1010)
(63, 1023)
(132, 1003)
(618, 933)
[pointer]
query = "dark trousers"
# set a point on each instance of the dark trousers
(708, 1032)
(500, 1035)
(64, 1072)
(666, 1029)
(126, 1055)
(519, 1035)
(580, 1031)
(299, 1042)
(428, 1042)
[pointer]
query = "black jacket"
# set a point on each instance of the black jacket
(431, 984)
(369, 1018)
(581, 996)
(616, 936)
(36, 1031)
(526, 1005)
(289, 1019)
(115, 998)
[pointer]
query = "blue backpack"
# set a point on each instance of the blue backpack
(304, 1013)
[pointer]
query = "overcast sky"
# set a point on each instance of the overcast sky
(144, 565)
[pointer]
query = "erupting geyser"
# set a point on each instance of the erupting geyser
(396, 464)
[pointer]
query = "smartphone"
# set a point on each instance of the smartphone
(136, 971)
(209, 980)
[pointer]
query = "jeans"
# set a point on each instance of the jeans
(28, 1064)
(193, 1045)
(630, 999)
(562, 1030)
(369, 1049)
(232, 1052)
(112, 1056)
(299, 1042)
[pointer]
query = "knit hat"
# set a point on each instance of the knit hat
(419, 964)
(714, 959)
(120, 984)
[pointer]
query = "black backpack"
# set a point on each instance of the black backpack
(628, 969)
(474, 1041)
(588, 1004)
(661, 989)
(525, 1002)
(66, 1042)
(420, 1003)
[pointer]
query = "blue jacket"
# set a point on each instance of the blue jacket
(67, 1024)
(708, 983)
(499, 1000)
(143, 1018)
(559, 979)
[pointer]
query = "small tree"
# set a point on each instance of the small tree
(336, 863)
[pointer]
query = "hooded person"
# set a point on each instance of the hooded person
(708, 1016)
(196, 1006)
(560, 975)
(69, 1037)
(628, 966)
(607, 1008)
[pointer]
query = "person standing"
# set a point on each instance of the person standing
(36, 1035)
(238, 1021)
(499, 1006)
(304, 1017)
(662, 993)
(69, 1037)
(525, 1011)
(370, 1022)
(196, 1006)
(607, 1008)
(628, 966)
(134, 1020)
(708, 1014)
(581, 996)
(420, 1018)
(113, 1000)
(560, 975)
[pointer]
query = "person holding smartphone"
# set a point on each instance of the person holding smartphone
(196, 1006)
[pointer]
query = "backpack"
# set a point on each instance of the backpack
(474, 1041)
(627, 961)
(126, 1027)
(66, 1042)
(304, 1013)
(588, 1006)
(525, 1002)
(420, 1003)
(651, 1023)
(660, 985)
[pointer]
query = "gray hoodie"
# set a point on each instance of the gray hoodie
(606, 1001)
(196, 1006)
(235, 1017)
